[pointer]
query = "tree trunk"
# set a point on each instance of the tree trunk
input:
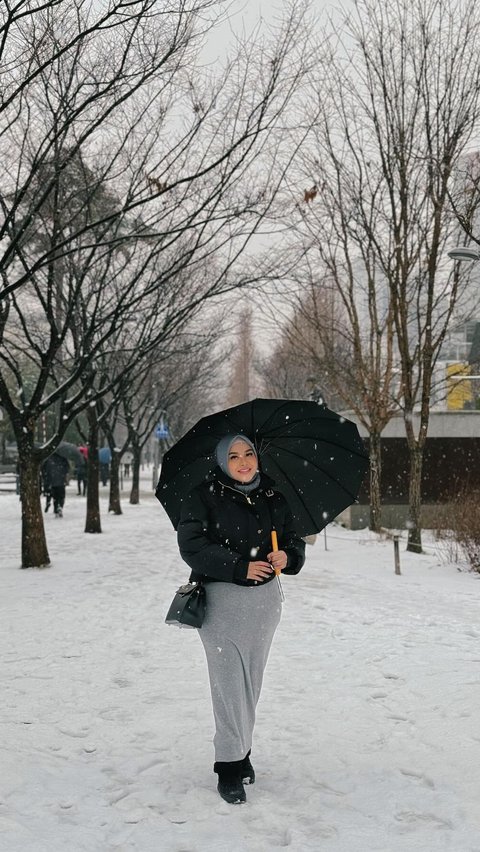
(137, 458)
(92, 521)
(34, 543)
(114, 500)
(375, 447)
(414, 543)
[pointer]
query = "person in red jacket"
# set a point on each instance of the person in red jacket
(224, 535)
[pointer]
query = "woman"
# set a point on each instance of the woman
(224, 535)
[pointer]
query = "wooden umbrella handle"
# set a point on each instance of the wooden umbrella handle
(275, 547)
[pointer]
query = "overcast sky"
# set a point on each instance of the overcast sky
(252, 10)
(246, 14)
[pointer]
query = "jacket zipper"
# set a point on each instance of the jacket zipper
(247, 498)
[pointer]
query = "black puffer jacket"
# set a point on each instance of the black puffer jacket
(55, 470)
(221, 530)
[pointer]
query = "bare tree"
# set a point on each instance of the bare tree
(21, 63)
(298, 365)
(398, 110)
(127, 169)
(239, 383)
(164, 387)
(343, 319)
(329, 353)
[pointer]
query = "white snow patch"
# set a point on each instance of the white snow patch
(367, 728)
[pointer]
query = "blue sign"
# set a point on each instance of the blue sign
(162, 431)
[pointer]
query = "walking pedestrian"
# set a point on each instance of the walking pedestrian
(81, 474)
(55, 471)
(127, 461)
(224, 535)
(104, 458)
(45, 487)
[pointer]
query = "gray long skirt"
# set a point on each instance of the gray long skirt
(237, 633)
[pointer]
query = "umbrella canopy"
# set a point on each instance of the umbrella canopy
(68, 451)
(315, 456)
(104, 455)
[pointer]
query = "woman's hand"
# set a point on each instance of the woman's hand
(259, 570)
(278, 560)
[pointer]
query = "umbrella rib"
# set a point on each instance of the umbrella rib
(290, 482)
(274, 414)
(316, 466)
(313, 439)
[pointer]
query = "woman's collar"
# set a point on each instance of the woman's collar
(265, 481)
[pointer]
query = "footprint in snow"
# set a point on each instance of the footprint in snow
(78, 733)
(414, 818)
(420, 776)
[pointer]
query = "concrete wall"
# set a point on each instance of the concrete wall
(443, 424)
(393, 517)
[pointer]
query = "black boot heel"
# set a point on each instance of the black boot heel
(247, 770)
(230, 785)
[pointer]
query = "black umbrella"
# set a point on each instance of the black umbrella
(68, 451)
(315, 456)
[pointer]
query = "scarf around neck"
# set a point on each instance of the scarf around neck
(247, 487)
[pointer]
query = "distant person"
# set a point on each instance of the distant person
(55, 471)
(81, 474)
(127, 460)
(104, 458)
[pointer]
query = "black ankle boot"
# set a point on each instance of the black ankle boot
(230, 784)
(247, 770)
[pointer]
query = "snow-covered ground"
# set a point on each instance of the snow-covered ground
(368, 734)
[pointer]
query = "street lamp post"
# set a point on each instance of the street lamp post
(464, 253)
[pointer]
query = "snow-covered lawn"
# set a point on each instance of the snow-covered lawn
(368, 733)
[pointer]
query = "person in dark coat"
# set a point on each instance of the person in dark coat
(45, 487)
(55, 471)
(81, 474)
(104, 458)
(224, 535)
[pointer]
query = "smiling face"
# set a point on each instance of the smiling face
(242, 462)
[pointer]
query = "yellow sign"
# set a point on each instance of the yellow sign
(459, 389)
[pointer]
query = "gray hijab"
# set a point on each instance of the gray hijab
(222, 451)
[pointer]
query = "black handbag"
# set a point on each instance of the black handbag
(188, 606)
